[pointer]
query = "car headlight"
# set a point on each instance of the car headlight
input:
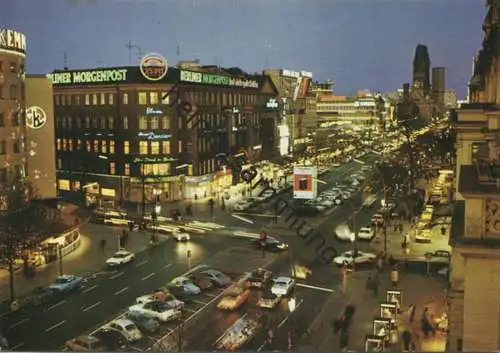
(282, 246)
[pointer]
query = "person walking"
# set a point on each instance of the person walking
(406, 337)
(380, 264)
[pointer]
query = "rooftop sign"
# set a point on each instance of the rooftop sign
(12, 40)
(215, 79)
(88, 77)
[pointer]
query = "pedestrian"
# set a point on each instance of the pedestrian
(406, 337)
(443, 230)
(412, 312)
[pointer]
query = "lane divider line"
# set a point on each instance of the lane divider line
(142, 263)
(148, 276)
(60, 323)
(56, 305)
(124, 289)
(19, 323)
(119, 274)
(91, 306)
(19, 345)
(86, 290)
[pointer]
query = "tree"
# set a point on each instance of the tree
(20, 216)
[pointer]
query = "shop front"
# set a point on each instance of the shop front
(198, 186)
(155, 188)
(223, 180)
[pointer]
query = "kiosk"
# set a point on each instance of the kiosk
(382, 328)
(374, 343)
(394, 297)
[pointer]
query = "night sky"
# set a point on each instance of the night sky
(360, 44)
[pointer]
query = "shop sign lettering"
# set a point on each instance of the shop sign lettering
(214, 79)
(153, 111)
(164, 159)
(10, 39)
(92, 76)
(153, 136)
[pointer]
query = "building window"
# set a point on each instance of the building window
(89, 145)
(79, 144)
(112, 168)
(126, 147)
(77, 99)
(3, 147)
(155, 147)
(111, 146)
(104, 146)
(12, 67)
(63, 99)
(125, 122)
(127, 169)
(111, 123)
(87, 122)
(70, 145)
(65, 145)
(78, 123)
(125, 98)
(143, 123)
(56, 99)
(59, 166)
(87, 99)
(165, 98)
(143, 98)
(95, 122)
(165, 123)
(103, 123)
(165, 147)
(111, 98)
(94, 99)
(153, 97)
(103, 98)
(179, 146)
(63, 122)
(155, 122)
(70, 122)
(143, 147)
(2, 119)
(13, 92)
(96, 146)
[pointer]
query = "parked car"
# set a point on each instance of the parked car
(348, 258)
(438, 253)
(86, 343)
(179, 293)
(158, 310)
(217, 277)
(259, 278)
(144, 322)
(187, 284)
(66, 283)
(112, 339)
(200, 281)
(268, 300)
(282, 286)
(233, 298)
(120, 257)
(127, 328)
(162, 295)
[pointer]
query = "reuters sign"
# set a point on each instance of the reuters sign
(154, 67)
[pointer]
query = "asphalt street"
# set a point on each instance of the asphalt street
(105, 294)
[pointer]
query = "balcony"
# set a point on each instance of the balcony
(483, 178)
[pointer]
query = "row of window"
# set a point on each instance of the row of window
(14, 92)
(108, 146)
(146, 169)
(13, 173)
(18, 146)
(12, 67)
(15, 119)
(108, 123)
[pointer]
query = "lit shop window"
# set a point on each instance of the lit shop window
(58, 144)
(87, 99)
(165, 98)
(64, 184)
(111, 146)
(112, 168)
(89, 145)
(143, 147)
(94, 99)
(77, 102)
(155, 147)
(179, 146)
(156, 169)
(143, 98)
(103, 98)
(126, 147)
(65, 144)
(76, 185)
(165, 123)
(153, 97)
(166, 147)
(70, 145)
(111, 122)
(127, 169)
(96, 146)
(125, 98)
(125, 122)
(111, 98)
(104, 146)
(79, 144)
(59, 163)
(143, 123)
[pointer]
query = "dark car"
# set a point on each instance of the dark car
(179, 293)
(259, 278)
(201, 281)
(270, 244)
(114, 340)
(145, 323)
(39, 296)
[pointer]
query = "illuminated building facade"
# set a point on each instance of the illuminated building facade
(13, 143)
(121, 139)
(475, 234)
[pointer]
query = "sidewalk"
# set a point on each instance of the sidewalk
(416, 289)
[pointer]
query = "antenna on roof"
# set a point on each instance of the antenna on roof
(65, 61)
(129, 46)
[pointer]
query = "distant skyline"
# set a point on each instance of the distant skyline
(359, 44)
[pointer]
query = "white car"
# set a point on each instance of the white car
(157, 310)
(366, 233)
(348, 258)
(268, 194)
(181, 236)
(127, 328)
(242, 206)
(120, 257)
(170, 300)
(282, 286)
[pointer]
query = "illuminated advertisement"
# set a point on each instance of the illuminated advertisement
(36, 118)
(284, 137)
(290, 73)
(154, 67)
(214, 79)
(305, 182)
(89, 76)
(304, 85)
(12, 40)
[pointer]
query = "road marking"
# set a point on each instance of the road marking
(92, 306)
(286, 318)
(124, 289)
(90, 288)
(136, 349)
(141, 263)
(199, 302)
(330, 210)
(19, 345)
(60, 323)
(119, 274)
(56, 305)
(167, 266)
(189, 310)
(19, 323)
(242, 219)
(210, 295)
(228, 329)
(315, 287)
(148, 276)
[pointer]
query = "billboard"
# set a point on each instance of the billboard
(305, 182)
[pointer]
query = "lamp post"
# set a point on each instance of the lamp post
(60, 258)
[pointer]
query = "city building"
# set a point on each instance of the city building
(297, 118)
(450, 99)
(439, 86)
(359, 110)
(475, 233)
(421, 67)
(122, 140)
(13, 141)
(40, 135)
